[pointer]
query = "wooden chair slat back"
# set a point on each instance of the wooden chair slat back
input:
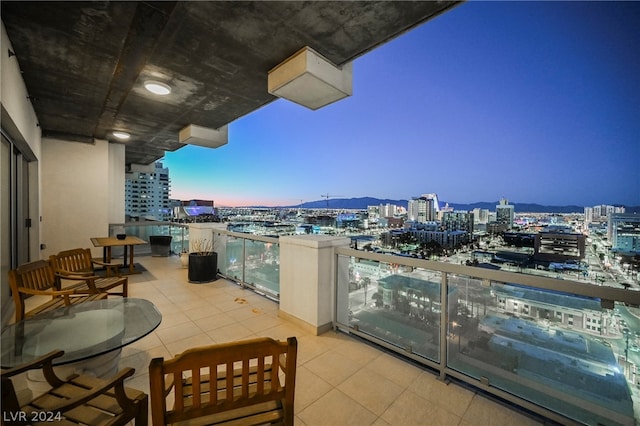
(217, 378)
(38, 275)
(74, 260)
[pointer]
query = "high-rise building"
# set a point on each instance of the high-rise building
(505, 213)
(480, 215)
(458, 221)
(424, 208)
(601, 213)
(373, 212)
(588, 215)
(624, 233)
(387, 210)
(147, 192)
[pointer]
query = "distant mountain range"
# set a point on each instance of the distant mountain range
(364, 202)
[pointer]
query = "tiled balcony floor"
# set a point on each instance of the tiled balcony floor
(340, 381)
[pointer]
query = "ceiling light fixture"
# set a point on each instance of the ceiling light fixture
(121, 135)
(157, 87)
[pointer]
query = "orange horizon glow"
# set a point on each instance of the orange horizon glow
(236, 202)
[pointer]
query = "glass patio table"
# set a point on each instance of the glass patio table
(82, 331)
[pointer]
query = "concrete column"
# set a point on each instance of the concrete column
(307, 280)
(203, 234)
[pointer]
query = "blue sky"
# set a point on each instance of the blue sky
(532, 101)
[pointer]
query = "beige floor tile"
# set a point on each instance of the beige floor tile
(188, 301)
(164, 305)
(244, 313)
(485, 412)
(227, 303)
(357, 351)
(214, 321)
(230, 333)
(299, 422)
(174, 333)
(333, 367)
(450, 396)
(412, 410)
(309, 388)
(141, 360)
(336, 408)
(180, 346)
(310, 347)
(282, 331)
(398, 371)
(148, 342)
(261, 322)
(202, 311)
(381, 422)
(371, 390)
(173, 319)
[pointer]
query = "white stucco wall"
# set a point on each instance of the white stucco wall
(19, 118)
(306, 279)
(20, 121)
(116, 183)
(75, 188)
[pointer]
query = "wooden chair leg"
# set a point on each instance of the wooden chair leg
(142, 418)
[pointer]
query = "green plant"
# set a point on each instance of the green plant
(202, 247)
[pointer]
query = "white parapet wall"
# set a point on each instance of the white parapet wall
(306, 280)
(201, 235)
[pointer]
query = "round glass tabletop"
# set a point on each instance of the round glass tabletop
(82, 331)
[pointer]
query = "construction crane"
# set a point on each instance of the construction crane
(327, 196)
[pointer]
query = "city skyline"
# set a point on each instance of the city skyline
(535, 102)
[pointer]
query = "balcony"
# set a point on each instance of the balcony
(409, 332)
(341, 380)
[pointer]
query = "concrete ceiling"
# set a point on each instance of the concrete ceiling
(84, 63)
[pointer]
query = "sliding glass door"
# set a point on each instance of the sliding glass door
(14, 213)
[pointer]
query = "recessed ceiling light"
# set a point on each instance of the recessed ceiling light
(121, 135)
(157, 87)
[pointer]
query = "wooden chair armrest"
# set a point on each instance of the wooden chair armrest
(110, 267)
(105, 264)
(36, 363)
(63, 273)
(116, 382)
(89, 279)
(46, 292)
(80, 276)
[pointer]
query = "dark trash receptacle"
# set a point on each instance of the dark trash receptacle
(203, 267)
(160, 245)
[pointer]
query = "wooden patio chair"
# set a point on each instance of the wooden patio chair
(79, 399)
(39, 279)
(78, 262)
(250, 382)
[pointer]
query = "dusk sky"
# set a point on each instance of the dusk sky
(535, 102)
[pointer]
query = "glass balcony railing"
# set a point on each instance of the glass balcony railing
(251, 260)
(564, 349)
(178, 231)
